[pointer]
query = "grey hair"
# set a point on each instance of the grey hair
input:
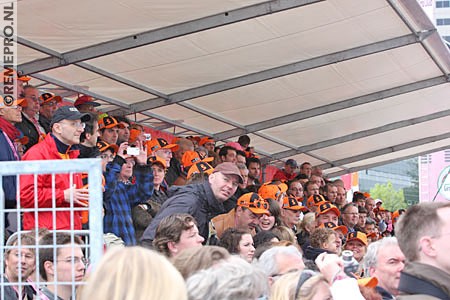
(241, 166)
(370, 259)
(234, 279)
(268, 260)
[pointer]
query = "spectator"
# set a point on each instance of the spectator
(134, 273)
(245, 216)
(357, 243)
(239, 242)
(208, 143)
(288, 173)
(311, 189)
(233, 279)
(341, 197)
(278, 261)
(273, 218)
(241, 158)
(109, 129)
(67, 126)
(306, 169)
(254, 171)
(144, 213)
(359, 199)
(129, 182)
(9, 115)
(384, 260)
(362, 218)
(195, 259)
(65, 271)
(350, 216)
(423, 233)
(30, 118)
(330, 191)
(13, 256)
(228, 154)
(124, 131)
(321, 240)
(290, 212)
(307, 226)
(314, 201)
(176, 233)
(174, 169)
(327, 212)
(86, 104)
(89, 137)
(244, 141)
(295, 188)
(204, 201)
(48, 105)
(264, 238)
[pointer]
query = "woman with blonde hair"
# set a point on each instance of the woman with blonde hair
(306, 285)
(134, 273)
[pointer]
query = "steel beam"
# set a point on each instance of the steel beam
(336, 106)
(162, 34)
(369, 166)
(387, 150)
(362, 134)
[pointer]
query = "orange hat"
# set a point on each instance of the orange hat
(200, 167)
(8, 103)
(103, 146)
(205, 140)
(254, 203)
(325, 207)
(191, 157)
(108, 122)
(359, 236)
(47, 97)
(372, 235)
(134, 133)
(157, 160)
(270, 191)
(370, 282)
(333, 226)
(291, 203)
(160, 143)
(315, 200)
(13, 73)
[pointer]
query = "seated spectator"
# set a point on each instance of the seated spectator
(195, 259)
(245, 216)
(176, 233)
(278, 261)
(86, 104)
(129, 182)
(233, 279)
(321, 240)
(273, 218)
(65, 271)
(13, 256)
(239, 242)
(134, 273)
(48, 105)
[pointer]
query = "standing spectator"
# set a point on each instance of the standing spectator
(330, 191)
(174, 174)
(350, 216)
(176, 233)
(306, 169)
(49, 104)
(254, 171)
(129, 182)
(89, 137)
(67, 126)
(124, 131)
(423, 236)
(238, 242)
(341, 197)
(290, 212)
(295, 188)
(203, 201)
(9, 115)
(228, 154)
(30, 118)
(327, 212)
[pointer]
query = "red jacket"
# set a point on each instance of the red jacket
(47, 150)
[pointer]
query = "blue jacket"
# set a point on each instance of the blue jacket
(196, 199)
(119, 199)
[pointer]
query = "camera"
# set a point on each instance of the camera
(133, 151)
(147, 136)
(350, 264)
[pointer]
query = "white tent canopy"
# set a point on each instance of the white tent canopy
(344, 84)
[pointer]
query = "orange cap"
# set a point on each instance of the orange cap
(160, 143)
(254, 203)
(291, 203)
(191, 157)
(333, 226)
(205, 140)
(200, 167)
(108, 122)
(359, 236)
(325, 207)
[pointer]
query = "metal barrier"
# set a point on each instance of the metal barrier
(93, 245)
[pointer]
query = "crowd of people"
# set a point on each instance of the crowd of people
(188, 220)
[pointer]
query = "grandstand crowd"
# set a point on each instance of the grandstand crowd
(186, 219)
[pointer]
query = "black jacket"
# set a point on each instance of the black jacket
(196, 199)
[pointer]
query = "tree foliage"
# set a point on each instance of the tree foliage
(392, 199)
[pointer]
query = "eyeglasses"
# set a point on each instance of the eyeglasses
(75, 124)
(75, 260)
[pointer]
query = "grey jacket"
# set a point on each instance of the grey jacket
(196, 199)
